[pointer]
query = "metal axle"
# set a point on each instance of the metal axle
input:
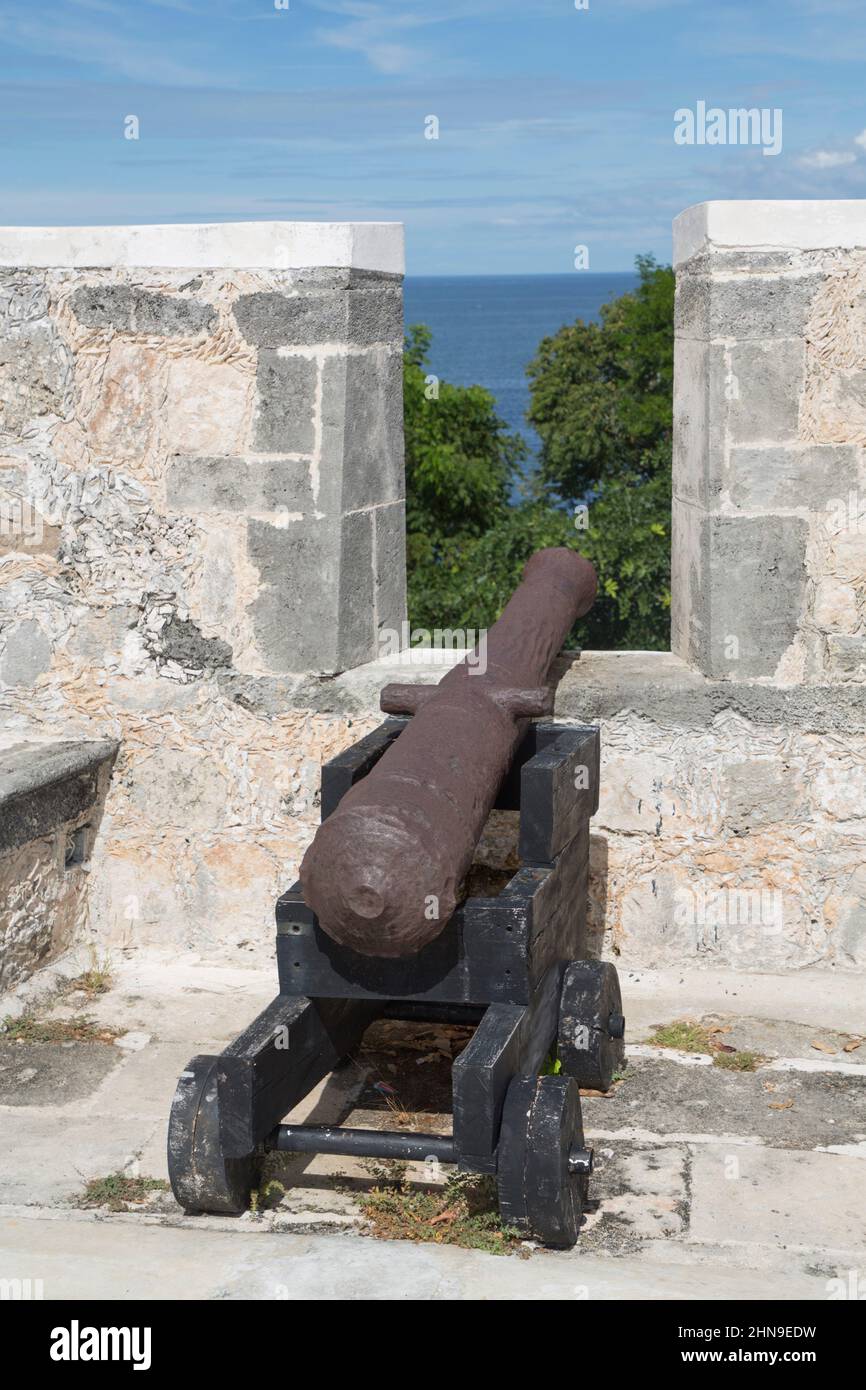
(362, 1143)
(384, 1143)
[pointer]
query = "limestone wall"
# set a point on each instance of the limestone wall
(731, 829)
(211, 461)
(201, 492)
(770, 469)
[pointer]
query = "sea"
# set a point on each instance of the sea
(487, 328)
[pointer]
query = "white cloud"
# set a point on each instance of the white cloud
(375, 33)
(375, 30)
(861, 139)
(125, 55)
(827, 159)
(364, 38)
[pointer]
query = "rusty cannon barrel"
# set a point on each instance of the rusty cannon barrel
(384, 871)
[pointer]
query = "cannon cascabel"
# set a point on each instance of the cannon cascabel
(384, 871)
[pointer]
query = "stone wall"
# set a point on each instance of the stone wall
(201, 495)
(770, 470)
(756, 763)
(731, 829)
(220, 489)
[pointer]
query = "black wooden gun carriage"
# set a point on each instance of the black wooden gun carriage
(513, 965)
(376, 927)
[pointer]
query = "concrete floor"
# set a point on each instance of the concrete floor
(708, 1183)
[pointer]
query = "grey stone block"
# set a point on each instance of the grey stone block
(271, 320)
(316, 314)
(286, 404)
(737, 588)
(743, 307)
(128, 309)
(769, 379)
(847, 654)
(376, 316)
(199, 484)
(700, 421)
(346, 277)
(751, 588)
(389, 525)
(356, 592)
(295, 614)
(27, 653)
(182, 641)
(774, 479)
(313, 279)
(740, 260)
(688, 564)
(692, 306)
(314, 611)
(44, 785)
(362, 432)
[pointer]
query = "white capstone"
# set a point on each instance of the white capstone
(770, 224)
(203, 246)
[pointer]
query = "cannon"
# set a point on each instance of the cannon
(383, 873)
(381, 925)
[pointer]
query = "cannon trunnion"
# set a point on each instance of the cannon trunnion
(513, 965)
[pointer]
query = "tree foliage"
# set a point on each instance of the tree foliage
(602, 393)
(461, 463)
(601, 403)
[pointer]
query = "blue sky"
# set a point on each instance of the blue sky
(555, 124)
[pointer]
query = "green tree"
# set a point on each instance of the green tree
(461, 463)
(601, 402)
(602, 393)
